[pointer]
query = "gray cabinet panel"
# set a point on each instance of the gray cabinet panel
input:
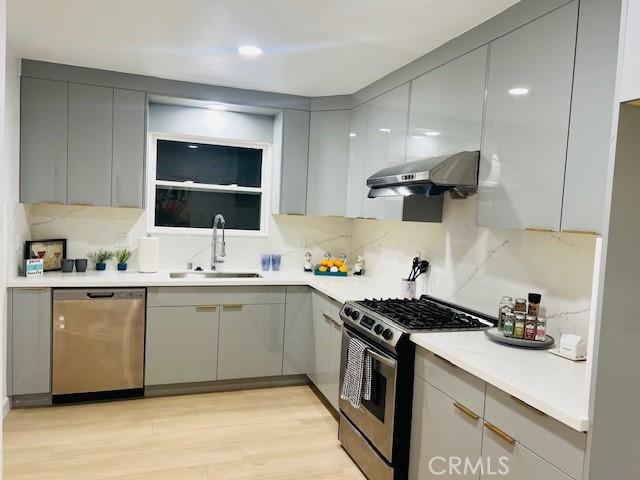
(127, 189)
(30, 341)
(332, 391)
(328, 158)
(90, 145)
(295, 155)
(251, 341)
(186, 296)
(385, 147)
(439, 428)
(327, 339)
(446, 108)
(43, 141)
(357, 159)
(298, 331)
(181, 344)
(525, 135)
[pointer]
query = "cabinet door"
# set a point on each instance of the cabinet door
(128, 148)
(251, 341)
(356, 182)
(328, 161)
(441, 428)
(322, 333)
(181, 344)
(447, 104)
(333, 385)
(298, 331)
(43, 141)
(295, 156)
(509, 459)
(526, 124)
(30, 341)
(90, 145)
(386, 147)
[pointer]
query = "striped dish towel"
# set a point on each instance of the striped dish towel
(356, 385)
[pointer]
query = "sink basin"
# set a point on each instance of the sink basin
(205, 274)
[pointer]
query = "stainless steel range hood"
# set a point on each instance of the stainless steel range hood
(430, 177)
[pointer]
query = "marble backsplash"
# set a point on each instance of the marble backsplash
(476, 266)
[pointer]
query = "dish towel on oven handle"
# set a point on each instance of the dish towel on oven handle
(356, 384)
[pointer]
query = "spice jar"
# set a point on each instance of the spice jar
(518, 328)
(541, 329)
(534, 304)
(506, 305)
(520, 306)
(530, 327)
(509, 323)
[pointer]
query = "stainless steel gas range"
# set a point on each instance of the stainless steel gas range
(376, 435)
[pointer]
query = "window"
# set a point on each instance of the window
(191, 179)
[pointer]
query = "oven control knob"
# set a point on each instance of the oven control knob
(378, 329)
(387, 334)
(347, 311)
(355, 315)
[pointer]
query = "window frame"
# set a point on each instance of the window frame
(151, 183)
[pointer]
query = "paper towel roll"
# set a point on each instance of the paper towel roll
(148, 254)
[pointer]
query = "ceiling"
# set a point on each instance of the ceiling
(312, 47)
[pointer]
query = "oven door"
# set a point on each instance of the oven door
(374, 418)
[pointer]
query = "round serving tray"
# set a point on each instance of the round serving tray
(498, 337)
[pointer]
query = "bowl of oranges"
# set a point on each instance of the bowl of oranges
(333, 267)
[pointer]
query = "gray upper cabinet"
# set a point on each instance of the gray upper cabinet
(357, 158)
(526, 124)
(385, 147)
(328, 158)
(90, 145)
(295, 156)
(43, 141)
(445, 114)
(30, 338)
(128, 148)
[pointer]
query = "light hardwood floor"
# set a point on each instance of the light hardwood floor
(279, 433)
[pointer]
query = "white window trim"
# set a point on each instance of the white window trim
(151, 183)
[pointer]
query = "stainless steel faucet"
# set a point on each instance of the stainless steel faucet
(215, 258)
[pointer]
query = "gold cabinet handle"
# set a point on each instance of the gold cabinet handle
(232, 306)
(206, 308)
(581, 232)
(539, 229)
(332, 320)
(466, 411)
(506, 437)
(526, 405)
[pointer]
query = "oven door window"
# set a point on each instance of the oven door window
(376, 405)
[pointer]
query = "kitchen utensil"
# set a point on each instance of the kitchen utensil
(408, 288)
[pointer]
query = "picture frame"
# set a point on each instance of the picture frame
(52, 252)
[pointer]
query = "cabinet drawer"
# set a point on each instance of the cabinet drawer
(185, 296)
(455, 382)
(560, 445)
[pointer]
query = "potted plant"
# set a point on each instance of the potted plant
(101, 257)
(122, 256)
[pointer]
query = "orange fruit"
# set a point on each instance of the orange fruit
(322, 268)
(338, 263)
(324, 262)
(343, 268)
(330, 263)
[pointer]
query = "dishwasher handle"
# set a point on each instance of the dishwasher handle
(100, 294)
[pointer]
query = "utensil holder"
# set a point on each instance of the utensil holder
(408, 288)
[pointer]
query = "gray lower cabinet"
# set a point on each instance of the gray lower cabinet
(30, 337)
(43, 141)
(298, 331)
(333, 387)
(127, 183)
(510, 459)
(295, 157)
(181, 344)
(251, 341)
(442, 429)
(90, 145)
(524, 146)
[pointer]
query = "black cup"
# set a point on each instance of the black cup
(67, 265)
(81, 264)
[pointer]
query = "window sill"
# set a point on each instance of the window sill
(200, 232)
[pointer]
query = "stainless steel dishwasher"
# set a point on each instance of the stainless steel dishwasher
(98, 344)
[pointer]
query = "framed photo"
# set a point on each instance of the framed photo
(52, 252)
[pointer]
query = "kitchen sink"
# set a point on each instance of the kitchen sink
(205, 274)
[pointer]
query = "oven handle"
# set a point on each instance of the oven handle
(389, 362)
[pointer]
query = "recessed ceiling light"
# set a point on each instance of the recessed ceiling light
(384, 130)
(352, 134)
(518, 91)
(193, 146)
(216, 106)
(250, 50)
(432, 133)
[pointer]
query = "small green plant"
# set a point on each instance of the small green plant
(101, 256)
(123, 255)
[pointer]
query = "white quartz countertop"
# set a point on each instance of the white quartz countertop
(553, 385)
